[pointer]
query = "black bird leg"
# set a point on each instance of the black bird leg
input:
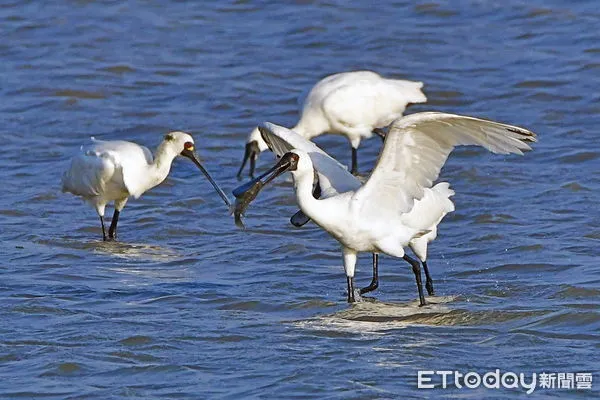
(250, 153)
(354, 170)
(103, 231)
(428, 280)
(350, 282)
(112, 231)
(375, 281)
(416, 267)
(252, 165)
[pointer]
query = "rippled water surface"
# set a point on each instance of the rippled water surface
(186, 305)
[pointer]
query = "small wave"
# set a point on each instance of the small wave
(118, 69)
(78, 94)
(136, 340)
(540, 84)
(64, 368)
(578, 157)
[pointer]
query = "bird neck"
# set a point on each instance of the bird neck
(310, 125)
(161, 166)
(314, 208)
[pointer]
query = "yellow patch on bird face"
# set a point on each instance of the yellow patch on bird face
(189, 146)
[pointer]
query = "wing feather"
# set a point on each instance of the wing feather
(117, 162)
(130, 158)
(88, 174)
(417, 147)
(334, 178)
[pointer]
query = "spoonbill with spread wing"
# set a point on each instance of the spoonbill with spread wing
(332, 178)
(354, 104)
(106, 171)
(373, 218)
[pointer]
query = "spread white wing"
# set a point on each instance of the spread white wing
(334, 178)
(417, 147)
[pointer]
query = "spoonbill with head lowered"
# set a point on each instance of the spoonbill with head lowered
(354, 104)
(106, 171)
(373, 218)
(332, 178)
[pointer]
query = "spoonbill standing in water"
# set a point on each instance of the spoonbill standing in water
(106, 171)
(373, 218)
(354, 104)
(332, 178)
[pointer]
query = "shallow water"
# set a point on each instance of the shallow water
(188, 306)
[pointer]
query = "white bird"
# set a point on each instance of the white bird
(354, 104)
(332, 178)
(374, 217)
(106, 171)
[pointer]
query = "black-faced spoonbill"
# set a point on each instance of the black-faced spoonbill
(354, 104)
(106, 171)
(373, 218)
(332, 178)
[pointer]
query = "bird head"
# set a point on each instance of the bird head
(254, 146)
(303, 165)
(182, 143)
(296, 161)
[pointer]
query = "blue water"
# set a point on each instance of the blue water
(188, 306)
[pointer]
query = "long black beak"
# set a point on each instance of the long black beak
(192, 155)
(251, 153)
(286, 162)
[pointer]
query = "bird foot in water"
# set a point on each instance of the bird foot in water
(357, 297)
(429, 288)
(372, 286)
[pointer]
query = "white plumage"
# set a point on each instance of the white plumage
(333, 179)
(105, 171)
(376, 217)
(353, 104)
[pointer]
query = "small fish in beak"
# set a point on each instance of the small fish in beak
(247, 192)
(243, 201)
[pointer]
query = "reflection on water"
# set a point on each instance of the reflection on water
(370, 315)
(124, 250)
(378, 311)
(133, 251)
(374, 316)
